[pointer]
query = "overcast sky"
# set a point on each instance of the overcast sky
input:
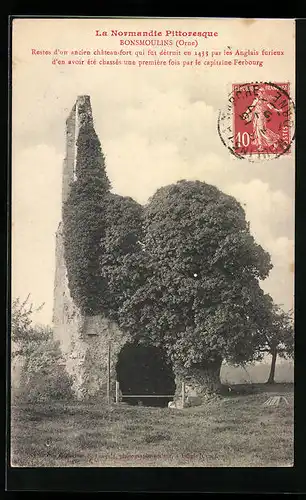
(156, 125)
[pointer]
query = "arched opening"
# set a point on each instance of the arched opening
(143, 370)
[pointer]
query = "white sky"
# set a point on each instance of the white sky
(156, 125)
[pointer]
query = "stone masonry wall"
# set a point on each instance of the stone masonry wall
(84, 340)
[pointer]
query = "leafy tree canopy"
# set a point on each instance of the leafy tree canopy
(276, 329)
(201, 298)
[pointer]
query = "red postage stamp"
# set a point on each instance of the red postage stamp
(261, 118)
(258, 121)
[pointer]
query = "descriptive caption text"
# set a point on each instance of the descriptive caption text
(145, 49)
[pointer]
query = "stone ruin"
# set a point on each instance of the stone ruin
(86, 341)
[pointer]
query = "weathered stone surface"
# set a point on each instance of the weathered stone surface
(178, 405)
(201, 382)
(194, 400)
(87, 359)
(84, 340)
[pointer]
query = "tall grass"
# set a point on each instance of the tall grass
(235, 431)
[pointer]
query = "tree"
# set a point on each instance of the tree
(181, 273)
(22, 331)
(198, 293)
(43, 375)
(276, 334)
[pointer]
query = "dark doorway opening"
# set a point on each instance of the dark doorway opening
(143, 370)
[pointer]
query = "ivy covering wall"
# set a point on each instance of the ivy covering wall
(101, 233)
(84, 223)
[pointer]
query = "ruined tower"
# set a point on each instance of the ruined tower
(84, 340)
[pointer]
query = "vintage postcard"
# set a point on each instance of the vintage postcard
(153, 170)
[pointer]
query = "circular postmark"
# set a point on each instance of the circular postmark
(257, 123)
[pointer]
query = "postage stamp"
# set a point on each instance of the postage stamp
(258, 121)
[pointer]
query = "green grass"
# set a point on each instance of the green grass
(235, 431)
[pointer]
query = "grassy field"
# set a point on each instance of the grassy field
(236, 431)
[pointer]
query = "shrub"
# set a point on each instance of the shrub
(43, 375)
(55, 385)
